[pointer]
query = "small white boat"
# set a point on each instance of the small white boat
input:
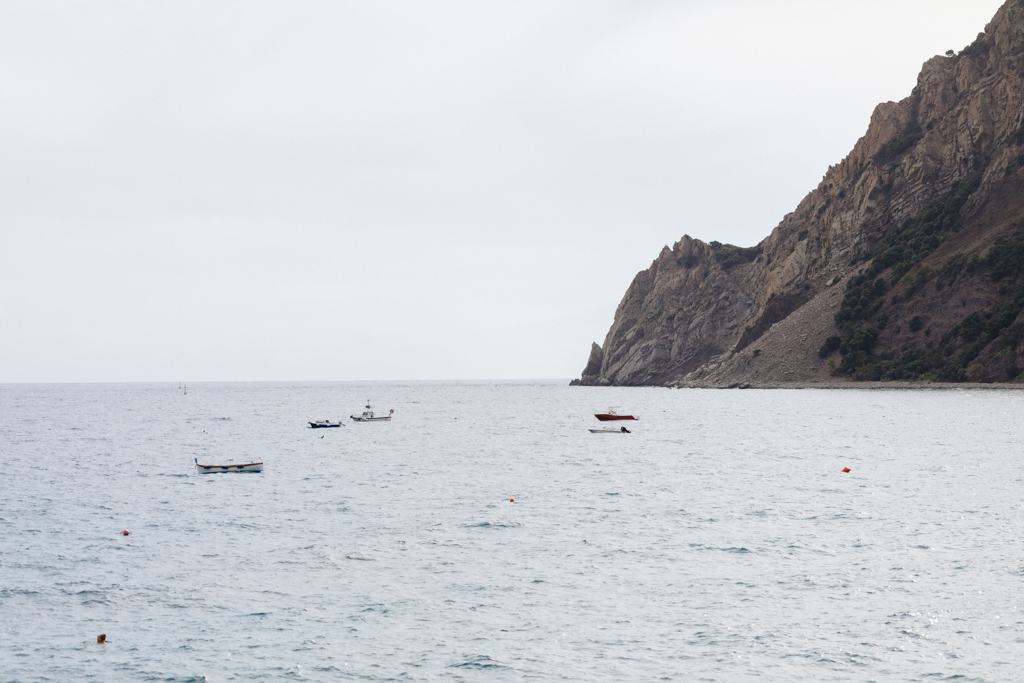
(609, 430)
(368, 415)
(216, 469)
(321, 424)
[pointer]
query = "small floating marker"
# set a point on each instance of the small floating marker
(846, 469)
(511, 500)
(125, 532)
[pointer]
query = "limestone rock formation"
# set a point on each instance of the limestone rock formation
(906, 262)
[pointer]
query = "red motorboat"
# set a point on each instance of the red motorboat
(612, 415)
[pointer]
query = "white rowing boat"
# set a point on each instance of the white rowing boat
(215, 469)
(621, 430)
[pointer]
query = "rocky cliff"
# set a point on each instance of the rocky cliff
(906, 262)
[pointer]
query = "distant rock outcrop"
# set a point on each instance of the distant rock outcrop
(906, 262)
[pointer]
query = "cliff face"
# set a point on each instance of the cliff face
(876, 271)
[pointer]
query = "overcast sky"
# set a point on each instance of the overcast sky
(403, 190)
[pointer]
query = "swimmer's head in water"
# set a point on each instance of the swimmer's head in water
(101, 638)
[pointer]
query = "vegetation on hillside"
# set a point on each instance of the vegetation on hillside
(862, 313)
(729, 255)
(900, 143)
(918, 237)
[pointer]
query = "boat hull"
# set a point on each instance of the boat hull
(219, 469)
(326, 424)
(608, 431)
(608, 417)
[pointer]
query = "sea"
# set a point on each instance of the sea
(485, 534)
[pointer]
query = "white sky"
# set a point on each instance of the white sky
(403, 190)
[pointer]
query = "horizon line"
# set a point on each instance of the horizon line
(289, 381)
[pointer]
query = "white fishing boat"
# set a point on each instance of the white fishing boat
(368, 415)
(609, 430)
(322, 424)
(216, 469)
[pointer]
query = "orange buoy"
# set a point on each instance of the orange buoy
(511, 500)
(846, 469)
(124, 533)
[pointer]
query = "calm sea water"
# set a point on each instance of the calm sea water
(718, 542)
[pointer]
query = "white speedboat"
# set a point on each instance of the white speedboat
(609, 430)
(216, 469)
(368, 415)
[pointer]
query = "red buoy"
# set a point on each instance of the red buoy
(511, 500)
(124, 533)
(846, 469)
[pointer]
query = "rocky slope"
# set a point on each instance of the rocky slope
(906, 262)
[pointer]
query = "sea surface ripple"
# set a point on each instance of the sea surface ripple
(720, 541)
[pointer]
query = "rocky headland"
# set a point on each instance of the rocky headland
(905, 263)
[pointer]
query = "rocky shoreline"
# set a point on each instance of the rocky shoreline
(849, 384)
